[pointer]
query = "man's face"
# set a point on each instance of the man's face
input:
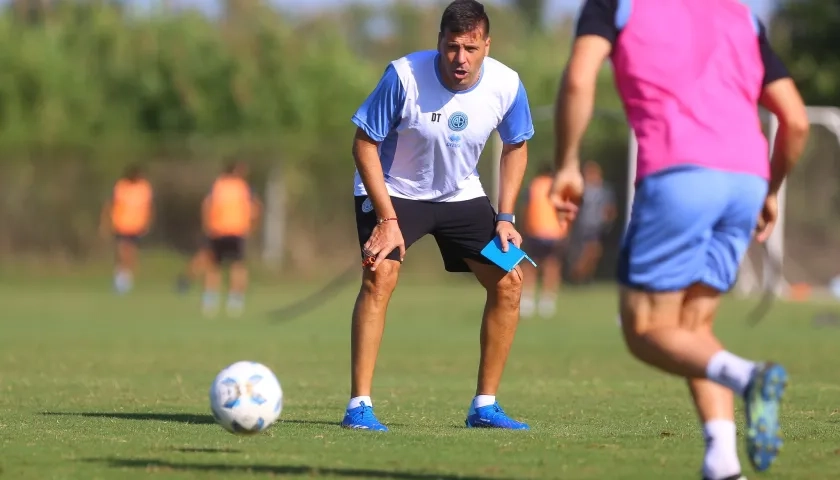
(462, 55)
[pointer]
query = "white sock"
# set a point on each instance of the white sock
(721, 460)
(730, 371)
(547, 306)
(123, 280)
(483, 400)
(356, 402)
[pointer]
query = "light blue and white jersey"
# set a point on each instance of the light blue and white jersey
(431, 137)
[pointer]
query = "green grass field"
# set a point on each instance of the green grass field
(95, 386)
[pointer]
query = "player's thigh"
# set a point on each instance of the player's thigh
(414, 217)
(642, 311)
(461, 230)
(127, 244)
(699, 307)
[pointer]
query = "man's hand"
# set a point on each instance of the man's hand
(507, 233)
(767, 218)
(567, 192)
(385, 237)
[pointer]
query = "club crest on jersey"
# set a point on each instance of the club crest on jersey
(458, 121)
(367, 206)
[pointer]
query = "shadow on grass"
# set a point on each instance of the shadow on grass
(204, 450)
(189, 418)
(297, 470)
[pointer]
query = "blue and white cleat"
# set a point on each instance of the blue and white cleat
(762, 400)
(492, 416)
(362, 418)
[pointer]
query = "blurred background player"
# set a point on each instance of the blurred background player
(593, 222)
(127, 216)
(229, 213)
(545, 239)
(196, 267)
(691, 76)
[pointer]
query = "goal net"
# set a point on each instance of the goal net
(801, 258)
(803, 255)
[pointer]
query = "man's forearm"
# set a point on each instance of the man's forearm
(512, 172)
(573, 111)
(369, 165)
(787, 149)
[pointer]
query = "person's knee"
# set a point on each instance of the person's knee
(508, 290)
(380, 284)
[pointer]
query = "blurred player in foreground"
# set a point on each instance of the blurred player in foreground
(229, 214)
(545, 239)
(127, 215)
(691, 75)
(419, 137)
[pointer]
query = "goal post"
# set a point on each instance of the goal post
(771, 263)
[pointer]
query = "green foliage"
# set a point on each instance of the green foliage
(93, 86)
(806, 34)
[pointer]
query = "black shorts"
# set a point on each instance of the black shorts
(541, 248)
(593, 234)
(227, 248)
(461, 229)
(132, 239)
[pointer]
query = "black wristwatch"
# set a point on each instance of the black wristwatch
(506, 217)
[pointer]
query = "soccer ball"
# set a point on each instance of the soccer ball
(246, 398)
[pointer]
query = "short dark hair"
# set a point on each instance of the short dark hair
(463, 16)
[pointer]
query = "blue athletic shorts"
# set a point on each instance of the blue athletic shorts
(689, 225)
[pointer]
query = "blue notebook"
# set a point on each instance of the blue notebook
(505, 260)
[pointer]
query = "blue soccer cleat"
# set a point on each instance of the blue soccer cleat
(362, 418)
(762, 400)
(492, 416)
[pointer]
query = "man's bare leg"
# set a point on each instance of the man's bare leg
(126, 265)
(498, 329)
(530, 280)
(551, 278)
(588, 260)
(212, 286)
(238, 286)
(715, 403)
(662, 330)
(368, 326)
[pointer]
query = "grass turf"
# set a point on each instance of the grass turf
(97, 386)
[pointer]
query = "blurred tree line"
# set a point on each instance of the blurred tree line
(88, 87)
(806, 34)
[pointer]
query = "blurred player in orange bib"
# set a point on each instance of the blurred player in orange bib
(127, 216)
(545, 239)
(229, 213)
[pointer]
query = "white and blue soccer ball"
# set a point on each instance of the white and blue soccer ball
(246, 398)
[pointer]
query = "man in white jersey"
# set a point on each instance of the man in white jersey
(420, 134)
